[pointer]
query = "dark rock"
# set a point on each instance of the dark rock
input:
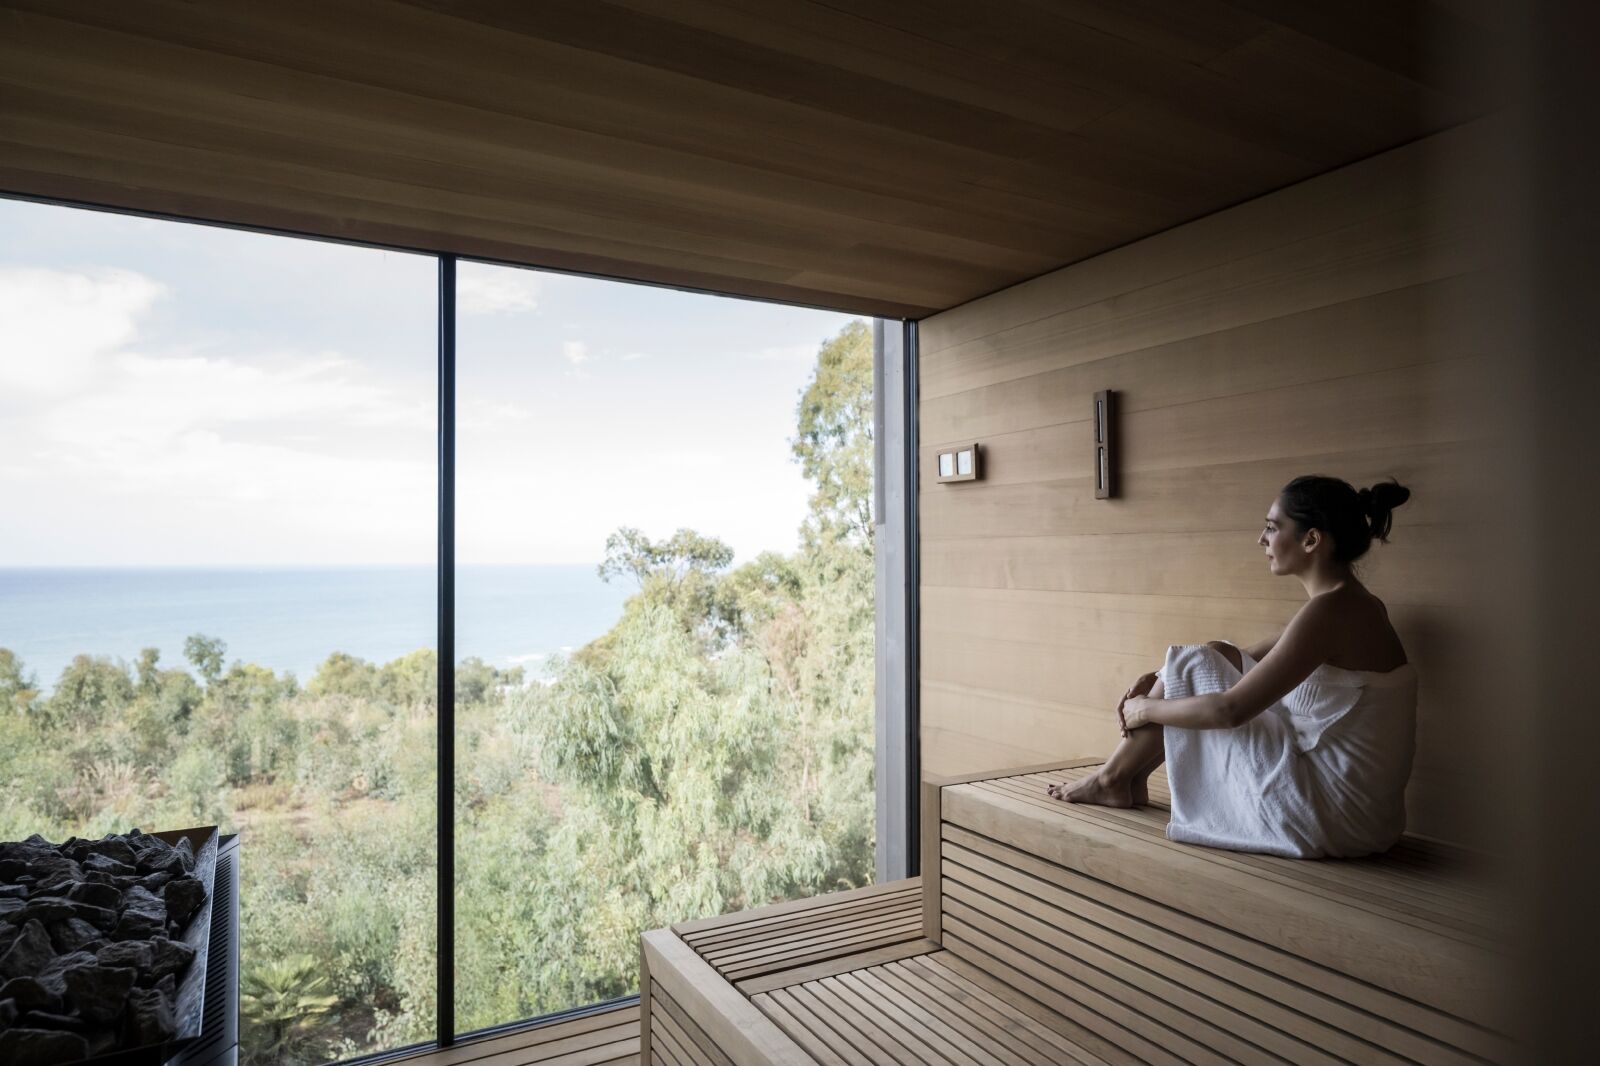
(168, 956)
(135, 953)
(98, 992)
(106, 865)
(183, 897)
(96, 895)
(114, 847)
(135, 926)
(185, 851)
(155, 882)
(31, 994)
(168, 862)
(46, 909)
(13, 891)
(41, 1047)
(8, 1013)
(100, 877)
(168, 986)
(102, 1041)
(149, 1020)
(143, 916)
(139, 900)
(41, 864)
(70, 935)
(62, 963)
(41, 1019)
(99, 917)
(31, 953)
(9, 906)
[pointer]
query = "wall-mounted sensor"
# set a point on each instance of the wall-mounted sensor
(1105, 426)
(959, 463)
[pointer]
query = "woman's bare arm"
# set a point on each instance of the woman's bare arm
(1262, 648)
(1302, 648)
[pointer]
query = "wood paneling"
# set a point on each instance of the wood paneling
(1181, 954)
(879, 157)
(786, 943)
(1330, 327)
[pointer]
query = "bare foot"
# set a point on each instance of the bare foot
(1093, 789)
(1139, 792)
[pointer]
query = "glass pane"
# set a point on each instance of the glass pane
(217, 594)
(665, 620)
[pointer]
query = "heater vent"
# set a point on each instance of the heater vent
(218, 1041)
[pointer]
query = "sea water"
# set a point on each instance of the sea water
(292, 619)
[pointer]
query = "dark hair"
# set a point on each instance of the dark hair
(1351, 518)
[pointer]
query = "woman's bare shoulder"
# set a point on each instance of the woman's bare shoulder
(1361, 636)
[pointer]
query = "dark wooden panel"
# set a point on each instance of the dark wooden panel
(878, 157)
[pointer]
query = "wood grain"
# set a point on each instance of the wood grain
(877, 158)
(1333, 327)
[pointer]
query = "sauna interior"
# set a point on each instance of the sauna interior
(1287, 238)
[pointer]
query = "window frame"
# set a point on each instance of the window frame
(895, 596)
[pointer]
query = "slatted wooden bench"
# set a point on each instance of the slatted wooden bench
(1044, 932)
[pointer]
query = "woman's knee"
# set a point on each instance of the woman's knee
(1228, 652)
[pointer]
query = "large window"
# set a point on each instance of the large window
(219, 456)
(667, 495)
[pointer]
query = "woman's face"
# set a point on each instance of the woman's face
(1286, 552)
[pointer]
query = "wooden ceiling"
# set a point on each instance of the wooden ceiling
(877, 156)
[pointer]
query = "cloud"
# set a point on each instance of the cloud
(575, 352)
(792, 353)
(248, 455)
(57, 325)
(498, 291)
(634, 356)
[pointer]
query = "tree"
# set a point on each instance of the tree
(205, 654)
(680, 573)
(88, 693)
(18, 688)
(833, 439)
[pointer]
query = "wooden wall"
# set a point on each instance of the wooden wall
(1330, 327)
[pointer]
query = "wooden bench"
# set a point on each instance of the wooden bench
(1044, 932)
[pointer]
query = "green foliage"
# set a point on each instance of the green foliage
(834, 438)
(88, 692)
(712, 751)
(280, 1003)
(205, 654)
(18, 689)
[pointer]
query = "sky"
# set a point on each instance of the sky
(175, 394)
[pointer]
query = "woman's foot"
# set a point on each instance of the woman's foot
(1139, 791)
(1094, 789)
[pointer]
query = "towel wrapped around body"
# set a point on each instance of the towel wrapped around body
(1322, 772)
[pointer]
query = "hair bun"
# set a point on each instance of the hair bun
(1379, 503)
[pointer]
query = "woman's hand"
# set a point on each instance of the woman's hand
(1139, 688)
(1135, 713)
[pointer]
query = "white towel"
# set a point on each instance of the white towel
(1320, 773)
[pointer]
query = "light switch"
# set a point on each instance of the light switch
(959, 463)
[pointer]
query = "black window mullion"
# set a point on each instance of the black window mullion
(444, 976)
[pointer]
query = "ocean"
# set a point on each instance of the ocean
(293, 619)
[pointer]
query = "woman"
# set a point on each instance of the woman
(1302, 744)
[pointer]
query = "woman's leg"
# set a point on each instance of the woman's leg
(1112, 785)
(1140, 785)
(1123, 780)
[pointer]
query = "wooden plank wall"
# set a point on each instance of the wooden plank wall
(1330, 327)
